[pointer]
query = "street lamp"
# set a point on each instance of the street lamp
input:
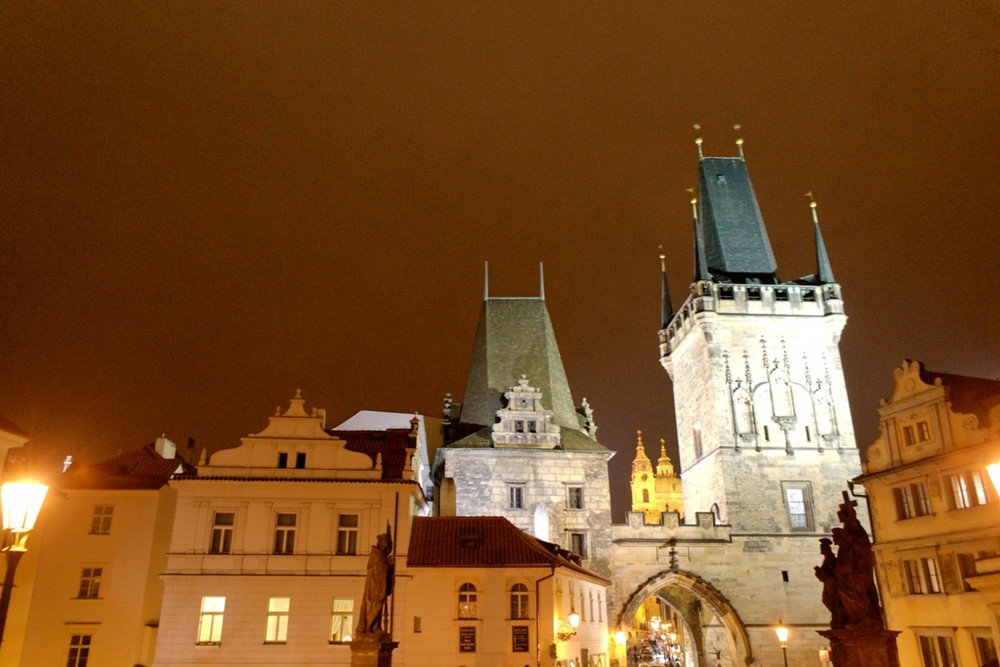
(782, 633)
(994, 470)
(20, 503)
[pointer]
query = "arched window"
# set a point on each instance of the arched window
(519, 601)
(467, 601)
(645, 495)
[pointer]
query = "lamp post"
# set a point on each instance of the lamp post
(20, 503)
(782, 633)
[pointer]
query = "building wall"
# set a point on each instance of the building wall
(122, 618)
(484, 479)
(950, 537)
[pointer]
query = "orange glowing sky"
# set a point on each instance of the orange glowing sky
(207, 205)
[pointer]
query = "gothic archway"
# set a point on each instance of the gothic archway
(692, 585)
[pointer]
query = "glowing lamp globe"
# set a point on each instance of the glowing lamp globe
(21, 502)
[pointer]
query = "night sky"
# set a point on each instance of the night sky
(205, 206)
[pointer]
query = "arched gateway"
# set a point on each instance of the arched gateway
(693, 599)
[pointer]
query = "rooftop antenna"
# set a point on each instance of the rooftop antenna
(739, 140)
(541, 281)
(697, 140)
(486, 281)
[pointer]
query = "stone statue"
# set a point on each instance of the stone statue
(378, 586)
(849, 590)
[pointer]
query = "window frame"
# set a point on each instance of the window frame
(515, 496)
(519, 602)
(807, 506)
(101, 519)
(468, 601)
(347, 535)
(284, 534)
(276, 628)
(91, 578)
(578, 543)
(936, 647)
(222, 533)
(210, 620)
(575, 499)
(78, 654)
(342, 620)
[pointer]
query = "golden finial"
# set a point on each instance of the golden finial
(739, 139)
(694, 202)
(697, 140)
(638, 437)
(812, 205)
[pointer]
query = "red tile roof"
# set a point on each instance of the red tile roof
(390, 443)
(140, 468)
(483, 541)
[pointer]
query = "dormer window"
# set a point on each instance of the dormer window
(532, 426)
(518, 426)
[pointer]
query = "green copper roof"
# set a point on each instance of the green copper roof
(515, 338)
(736, 247)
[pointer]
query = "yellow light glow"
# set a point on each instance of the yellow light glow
(574, 620)
(21, 502)
(994, 470)
(620, 638)
(782, 632)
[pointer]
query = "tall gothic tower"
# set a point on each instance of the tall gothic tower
(764, 428)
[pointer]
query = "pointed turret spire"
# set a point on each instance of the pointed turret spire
(667, 309)
(486, 281)
(664, 466)
(824, 274)
(641, 463)
(700, 264)
(541, 281)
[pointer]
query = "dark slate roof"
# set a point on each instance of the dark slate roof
(515, 338)
(390, 443)
(737, 247)
(571, 441)
(141, 468)
(967, 394)
(483, 541)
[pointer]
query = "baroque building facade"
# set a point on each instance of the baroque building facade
(936, 517)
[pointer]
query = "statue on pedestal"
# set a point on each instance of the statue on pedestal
(378, 587)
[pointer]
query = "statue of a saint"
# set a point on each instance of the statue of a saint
(827, 573)
(378, 586)
(849, 589)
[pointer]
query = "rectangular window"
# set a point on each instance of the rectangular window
(574, 497)
(985, 649)
(347, 534)
(518, 426)
(909, 435)
(798, 503)
(532, 426)
(696, 439)
(519, 639)
(282, 459)
(966, 568)
(100, 523)
(300, 460)
(937, 651)
(912, 500)
(922, 576)
(923, 431)
(914, 582)
(284, 533)
(210, 621)
(578, 543)
(969, 489)
(90, 582)
(931, 576)
(342, 620)
(276, 631)
(79, 650)
(222, 533)
(516, 496)
(922, 497)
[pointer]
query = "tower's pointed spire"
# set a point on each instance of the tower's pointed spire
(667, 308)
(700, 263)
(486, 281)
(541, 281)
(824, 273)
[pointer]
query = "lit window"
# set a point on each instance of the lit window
(210, 621)
(79, 650)
(284, 533)
(468, 606)
(100, 523)
(90, 582)
(277, 620)
(923, 431)
(519, 601)
(969, 489)
(909, 435)
(342, 620)
(347, 534)
(222, 533)
(574, 497)
(798, 502)
(578, 543)
(516, 496)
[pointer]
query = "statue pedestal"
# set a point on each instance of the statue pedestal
(862, 647)
(372, 650)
